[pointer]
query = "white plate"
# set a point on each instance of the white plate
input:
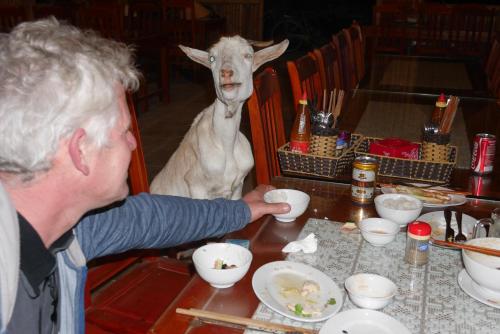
(270, 279)
(454, 201)
(362, 321)
(438, 224)
(470, 287)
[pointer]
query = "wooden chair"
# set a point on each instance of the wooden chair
(266, 123)
(180, 28)
(62, 12)
(144, 24)
(434, 30)
(305, 77)
(11, 15)
(472, 29)
(105, 18)
(358, 47)
(328, 60)
(492, 61)
(342, 42)
(130, 291)
(389, 28)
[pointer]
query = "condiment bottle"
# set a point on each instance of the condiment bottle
(300, 135)
(439, 109)
(417, 243)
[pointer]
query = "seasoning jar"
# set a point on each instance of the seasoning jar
(417, 243)
(364, 178)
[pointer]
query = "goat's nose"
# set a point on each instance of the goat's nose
(226, 73)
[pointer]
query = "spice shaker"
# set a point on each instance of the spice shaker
(417, 243)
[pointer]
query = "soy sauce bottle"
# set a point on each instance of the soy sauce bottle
(300, 136)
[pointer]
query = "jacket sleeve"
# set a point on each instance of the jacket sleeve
(157, 221)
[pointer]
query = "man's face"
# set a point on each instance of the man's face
(111, 162)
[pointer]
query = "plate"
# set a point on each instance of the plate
(454, 201)
(273, 281)
(362, 321)
(470, 287)
(438, 224)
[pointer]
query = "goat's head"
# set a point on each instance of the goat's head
(232, 62)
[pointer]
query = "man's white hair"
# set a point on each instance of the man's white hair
(54, 79)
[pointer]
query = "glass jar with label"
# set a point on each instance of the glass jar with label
(364, 178)
(417, 243)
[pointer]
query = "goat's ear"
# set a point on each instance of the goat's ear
(269, 53)
(199, 56)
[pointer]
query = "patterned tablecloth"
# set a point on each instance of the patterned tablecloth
(428, 300)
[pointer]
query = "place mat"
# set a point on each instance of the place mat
(428, 300)
(394, 119)
(429, 74)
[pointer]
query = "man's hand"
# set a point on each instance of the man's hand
(255, 200)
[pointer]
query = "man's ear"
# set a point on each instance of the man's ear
(76, 153)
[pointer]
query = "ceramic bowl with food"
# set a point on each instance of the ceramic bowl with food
(378, 231)
(370, 291)
(399, 208)
(484, 269)
(297, 200)
(222, 264)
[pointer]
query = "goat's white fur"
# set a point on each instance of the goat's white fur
(214, 157)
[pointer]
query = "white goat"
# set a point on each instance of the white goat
(214, 157)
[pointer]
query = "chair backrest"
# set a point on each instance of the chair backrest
(305, 77)
(329, 63)
(493, 58)
(105, 18)
(343, 44)
(144, 18)
(266, 122)
(388, 20)
(179, 23)
(434, 29)
(358, 48)
(472, 28)
(10, 16)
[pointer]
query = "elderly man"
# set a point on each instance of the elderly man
(65, 147)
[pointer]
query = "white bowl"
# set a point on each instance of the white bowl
(204, 259)
(484, 269)
(378, 231)
(370, 291)
(297, 200)
(402, 216)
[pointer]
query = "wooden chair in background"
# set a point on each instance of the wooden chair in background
(434, 30)
(492, 60)
(305, 77)
(389, 21)
(342, 42)
(359, 49)
(105, 18)
(11, 15)
(130, 291)
(328, 60)
(62, 12)
(266, 123)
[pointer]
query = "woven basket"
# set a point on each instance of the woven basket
(435, 152)
(417, 170)
(323, 146)
(317, 166)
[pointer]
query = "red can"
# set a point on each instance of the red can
(483, 153)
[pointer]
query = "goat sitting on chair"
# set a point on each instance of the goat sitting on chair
(214, 157)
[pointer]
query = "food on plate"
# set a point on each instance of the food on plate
(303, 298)
(307, 310)
(400, 204)
(219, 264)
(427, 195)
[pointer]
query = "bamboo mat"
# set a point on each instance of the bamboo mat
(430, 74)
(393, 119)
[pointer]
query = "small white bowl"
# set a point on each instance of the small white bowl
(204, 259)
(482, 268)
(378, 231)
(402, 216)
(370, 291)
(297, 200)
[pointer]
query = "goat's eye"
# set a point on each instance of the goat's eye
(211, 59)
(248, 56)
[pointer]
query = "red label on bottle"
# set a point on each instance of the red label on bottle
(299, 146)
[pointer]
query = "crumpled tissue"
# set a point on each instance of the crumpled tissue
(308, 245)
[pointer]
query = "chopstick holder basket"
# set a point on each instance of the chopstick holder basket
(324, 143)
(435, 147)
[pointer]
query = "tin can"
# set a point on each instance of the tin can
(483, 153)
(364, 178)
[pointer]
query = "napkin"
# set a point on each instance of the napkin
(308, 245)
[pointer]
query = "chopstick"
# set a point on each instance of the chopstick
(250, 323)
(449, 115)
(477, 249)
